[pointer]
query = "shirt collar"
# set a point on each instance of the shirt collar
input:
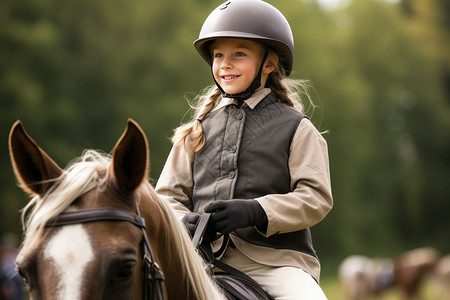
(250, 102)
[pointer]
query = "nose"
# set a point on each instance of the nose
(226, 63)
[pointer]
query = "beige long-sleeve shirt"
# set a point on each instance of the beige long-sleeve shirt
(307, 204)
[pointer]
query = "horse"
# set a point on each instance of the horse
(441, 277)
(97, 229)
(363, 277)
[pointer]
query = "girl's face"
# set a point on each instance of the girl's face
(236, 63)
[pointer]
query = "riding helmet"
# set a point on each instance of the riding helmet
(249, 19)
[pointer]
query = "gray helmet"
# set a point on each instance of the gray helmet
(249, 19)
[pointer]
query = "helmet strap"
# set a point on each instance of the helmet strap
(256, 83)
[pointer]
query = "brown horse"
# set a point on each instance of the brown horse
(365, 278)
(101, 257)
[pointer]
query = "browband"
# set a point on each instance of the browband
(95, 215)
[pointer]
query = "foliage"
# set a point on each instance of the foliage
(74, 71)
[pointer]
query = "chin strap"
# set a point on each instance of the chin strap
(256, 83)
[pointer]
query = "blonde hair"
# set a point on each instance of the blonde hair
(291, 92)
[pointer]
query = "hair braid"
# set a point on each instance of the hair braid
(206, 102)
(291, 92)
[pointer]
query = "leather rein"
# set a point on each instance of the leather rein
(153, 276)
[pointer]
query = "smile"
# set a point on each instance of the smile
(229, 77)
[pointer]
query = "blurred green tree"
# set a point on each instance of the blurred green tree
(74, 71)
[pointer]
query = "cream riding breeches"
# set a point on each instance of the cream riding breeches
(283, 283)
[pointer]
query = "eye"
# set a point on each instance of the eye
(22, 274)
(125, 271)
(240, 54)
(217, 55)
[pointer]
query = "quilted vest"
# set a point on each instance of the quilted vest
(246, 156)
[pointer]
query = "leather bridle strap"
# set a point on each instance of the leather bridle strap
(95, 215)
(153, 276)
(200, 231)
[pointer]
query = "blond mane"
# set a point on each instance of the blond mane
(194, 267)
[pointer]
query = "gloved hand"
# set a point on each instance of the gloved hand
(190, 221)
(229, 215)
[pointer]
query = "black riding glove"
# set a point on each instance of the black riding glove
(190, 221)
(229, 215)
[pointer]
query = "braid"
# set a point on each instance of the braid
(289, 91)
(278, 88)
(206, 102)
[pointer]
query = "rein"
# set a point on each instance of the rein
(153, 276)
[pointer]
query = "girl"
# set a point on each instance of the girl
(250, 156)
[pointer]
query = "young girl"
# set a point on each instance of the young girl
(249, 156)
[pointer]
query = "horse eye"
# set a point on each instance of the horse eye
(125, 271)
(22, 275)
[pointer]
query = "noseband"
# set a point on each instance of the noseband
(153, 276)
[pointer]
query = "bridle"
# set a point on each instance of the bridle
(153, 276)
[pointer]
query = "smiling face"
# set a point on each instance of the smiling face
(236, 63)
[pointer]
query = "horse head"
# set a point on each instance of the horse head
(61, 262)
(104, 258)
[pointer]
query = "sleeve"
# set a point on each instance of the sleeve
(310, 199)
(175, 183)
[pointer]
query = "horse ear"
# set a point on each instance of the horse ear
(33, 167)
(130, 158)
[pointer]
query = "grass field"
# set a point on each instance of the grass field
(333, 290)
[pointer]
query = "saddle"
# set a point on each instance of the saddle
(235, 284)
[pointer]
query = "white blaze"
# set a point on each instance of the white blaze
(71, 251)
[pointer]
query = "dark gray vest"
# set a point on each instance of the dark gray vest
(245, 157)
